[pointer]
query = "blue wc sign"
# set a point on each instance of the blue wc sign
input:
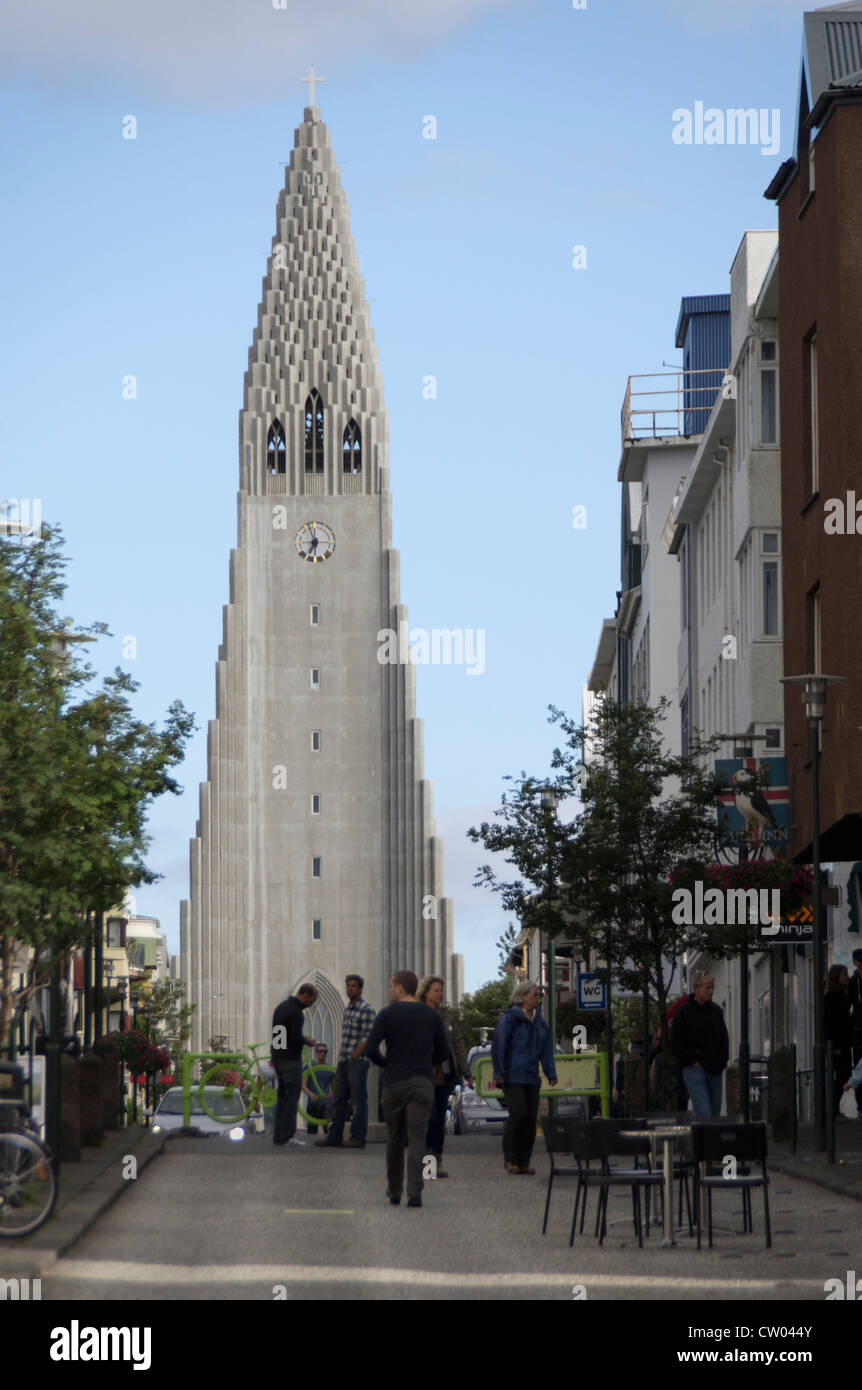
(592, 993)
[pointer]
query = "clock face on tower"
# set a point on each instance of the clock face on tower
(314, 541)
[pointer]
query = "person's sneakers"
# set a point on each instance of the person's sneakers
(525, 1168)
(441, 1172)
(296, 1143)
(325, 1144)
(354, 1144)
(513, 1168)
(414, 1201)
(393, 1199)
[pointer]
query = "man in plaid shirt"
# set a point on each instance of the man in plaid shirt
(351, 1074)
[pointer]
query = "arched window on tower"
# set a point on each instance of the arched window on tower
(275, 448)
(351, 448)
(314, 434)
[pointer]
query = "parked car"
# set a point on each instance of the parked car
(471, 1114)
(169, 1112)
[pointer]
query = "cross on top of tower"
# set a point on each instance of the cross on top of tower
(312, 79)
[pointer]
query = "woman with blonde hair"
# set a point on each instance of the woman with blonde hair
(430, 992)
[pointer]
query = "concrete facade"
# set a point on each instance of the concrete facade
(315, 853)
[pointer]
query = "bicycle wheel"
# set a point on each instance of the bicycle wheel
(249, 1095)
(28, 1188)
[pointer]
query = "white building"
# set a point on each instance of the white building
(725, 530)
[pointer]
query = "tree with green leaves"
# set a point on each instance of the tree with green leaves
(505, 945)
(78, 774)
(171, 1017)
(605, 877)
(482, 1009)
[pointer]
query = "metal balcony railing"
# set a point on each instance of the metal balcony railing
(669, 403)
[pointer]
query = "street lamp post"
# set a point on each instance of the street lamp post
(550, 801)
(814, 700)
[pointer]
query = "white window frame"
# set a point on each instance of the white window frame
(768, 557)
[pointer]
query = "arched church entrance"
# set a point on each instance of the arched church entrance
(322, 1020)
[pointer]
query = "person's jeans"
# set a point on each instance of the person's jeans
(437, 1119)
(350, 1087)
(519, 1133)
(319, 1108)
(289, 1089)
(704, 1089)
(406, 1106)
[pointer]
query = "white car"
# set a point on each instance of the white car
(169, 1114)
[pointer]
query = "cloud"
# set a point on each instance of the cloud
(215, 52)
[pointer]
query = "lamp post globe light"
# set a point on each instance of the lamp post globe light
(814, 685)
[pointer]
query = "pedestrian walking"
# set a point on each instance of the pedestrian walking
(286, 1057)
(350, 1086)
(416, 1046)
(317, 1082)
(455, 1067)
(838, 1028)
(522, 1039)
(699, 1039)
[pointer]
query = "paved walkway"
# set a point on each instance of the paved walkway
(88, 1188)
(843, 1177)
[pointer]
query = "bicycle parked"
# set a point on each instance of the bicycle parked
(28, 1182)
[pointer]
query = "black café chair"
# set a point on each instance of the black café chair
(712, 1144)
(558, 1141)
(580, 1140)
(598, 1141)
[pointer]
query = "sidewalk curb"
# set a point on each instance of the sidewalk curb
(76, 1217)
(793, 1168)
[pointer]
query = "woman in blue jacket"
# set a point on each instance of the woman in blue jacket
(522, 1040)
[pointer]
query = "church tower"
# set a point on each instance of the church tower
(315, 854)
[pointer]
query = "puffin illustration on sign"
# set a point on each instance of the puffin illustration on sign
(754, 812)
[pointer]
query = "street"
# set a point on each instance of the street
(214, 1220)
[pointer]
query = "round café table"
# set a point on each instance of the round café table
(668, 1134)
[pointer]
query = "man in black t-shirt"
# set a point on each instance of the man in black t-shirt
(286, 1057)
(416, 1048)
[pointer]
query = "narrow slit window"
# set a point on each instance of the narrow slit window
(314, 433)
(315, 740)
(315, 803)
(276, 452)
(315, 677)
(315, 866)
(315, 615)
(316, 925)
(351, 448)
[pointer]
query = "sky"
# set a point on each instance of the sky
(557, 127)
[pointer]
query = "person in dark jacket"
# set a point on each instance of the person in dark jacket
(521, 1041)
(856, 1015)
(430, 992)
(838, 1028)
(286, 1057)
(699, 1039)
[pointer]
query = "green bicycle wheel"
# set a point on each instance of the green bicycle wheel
(250, 1094)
